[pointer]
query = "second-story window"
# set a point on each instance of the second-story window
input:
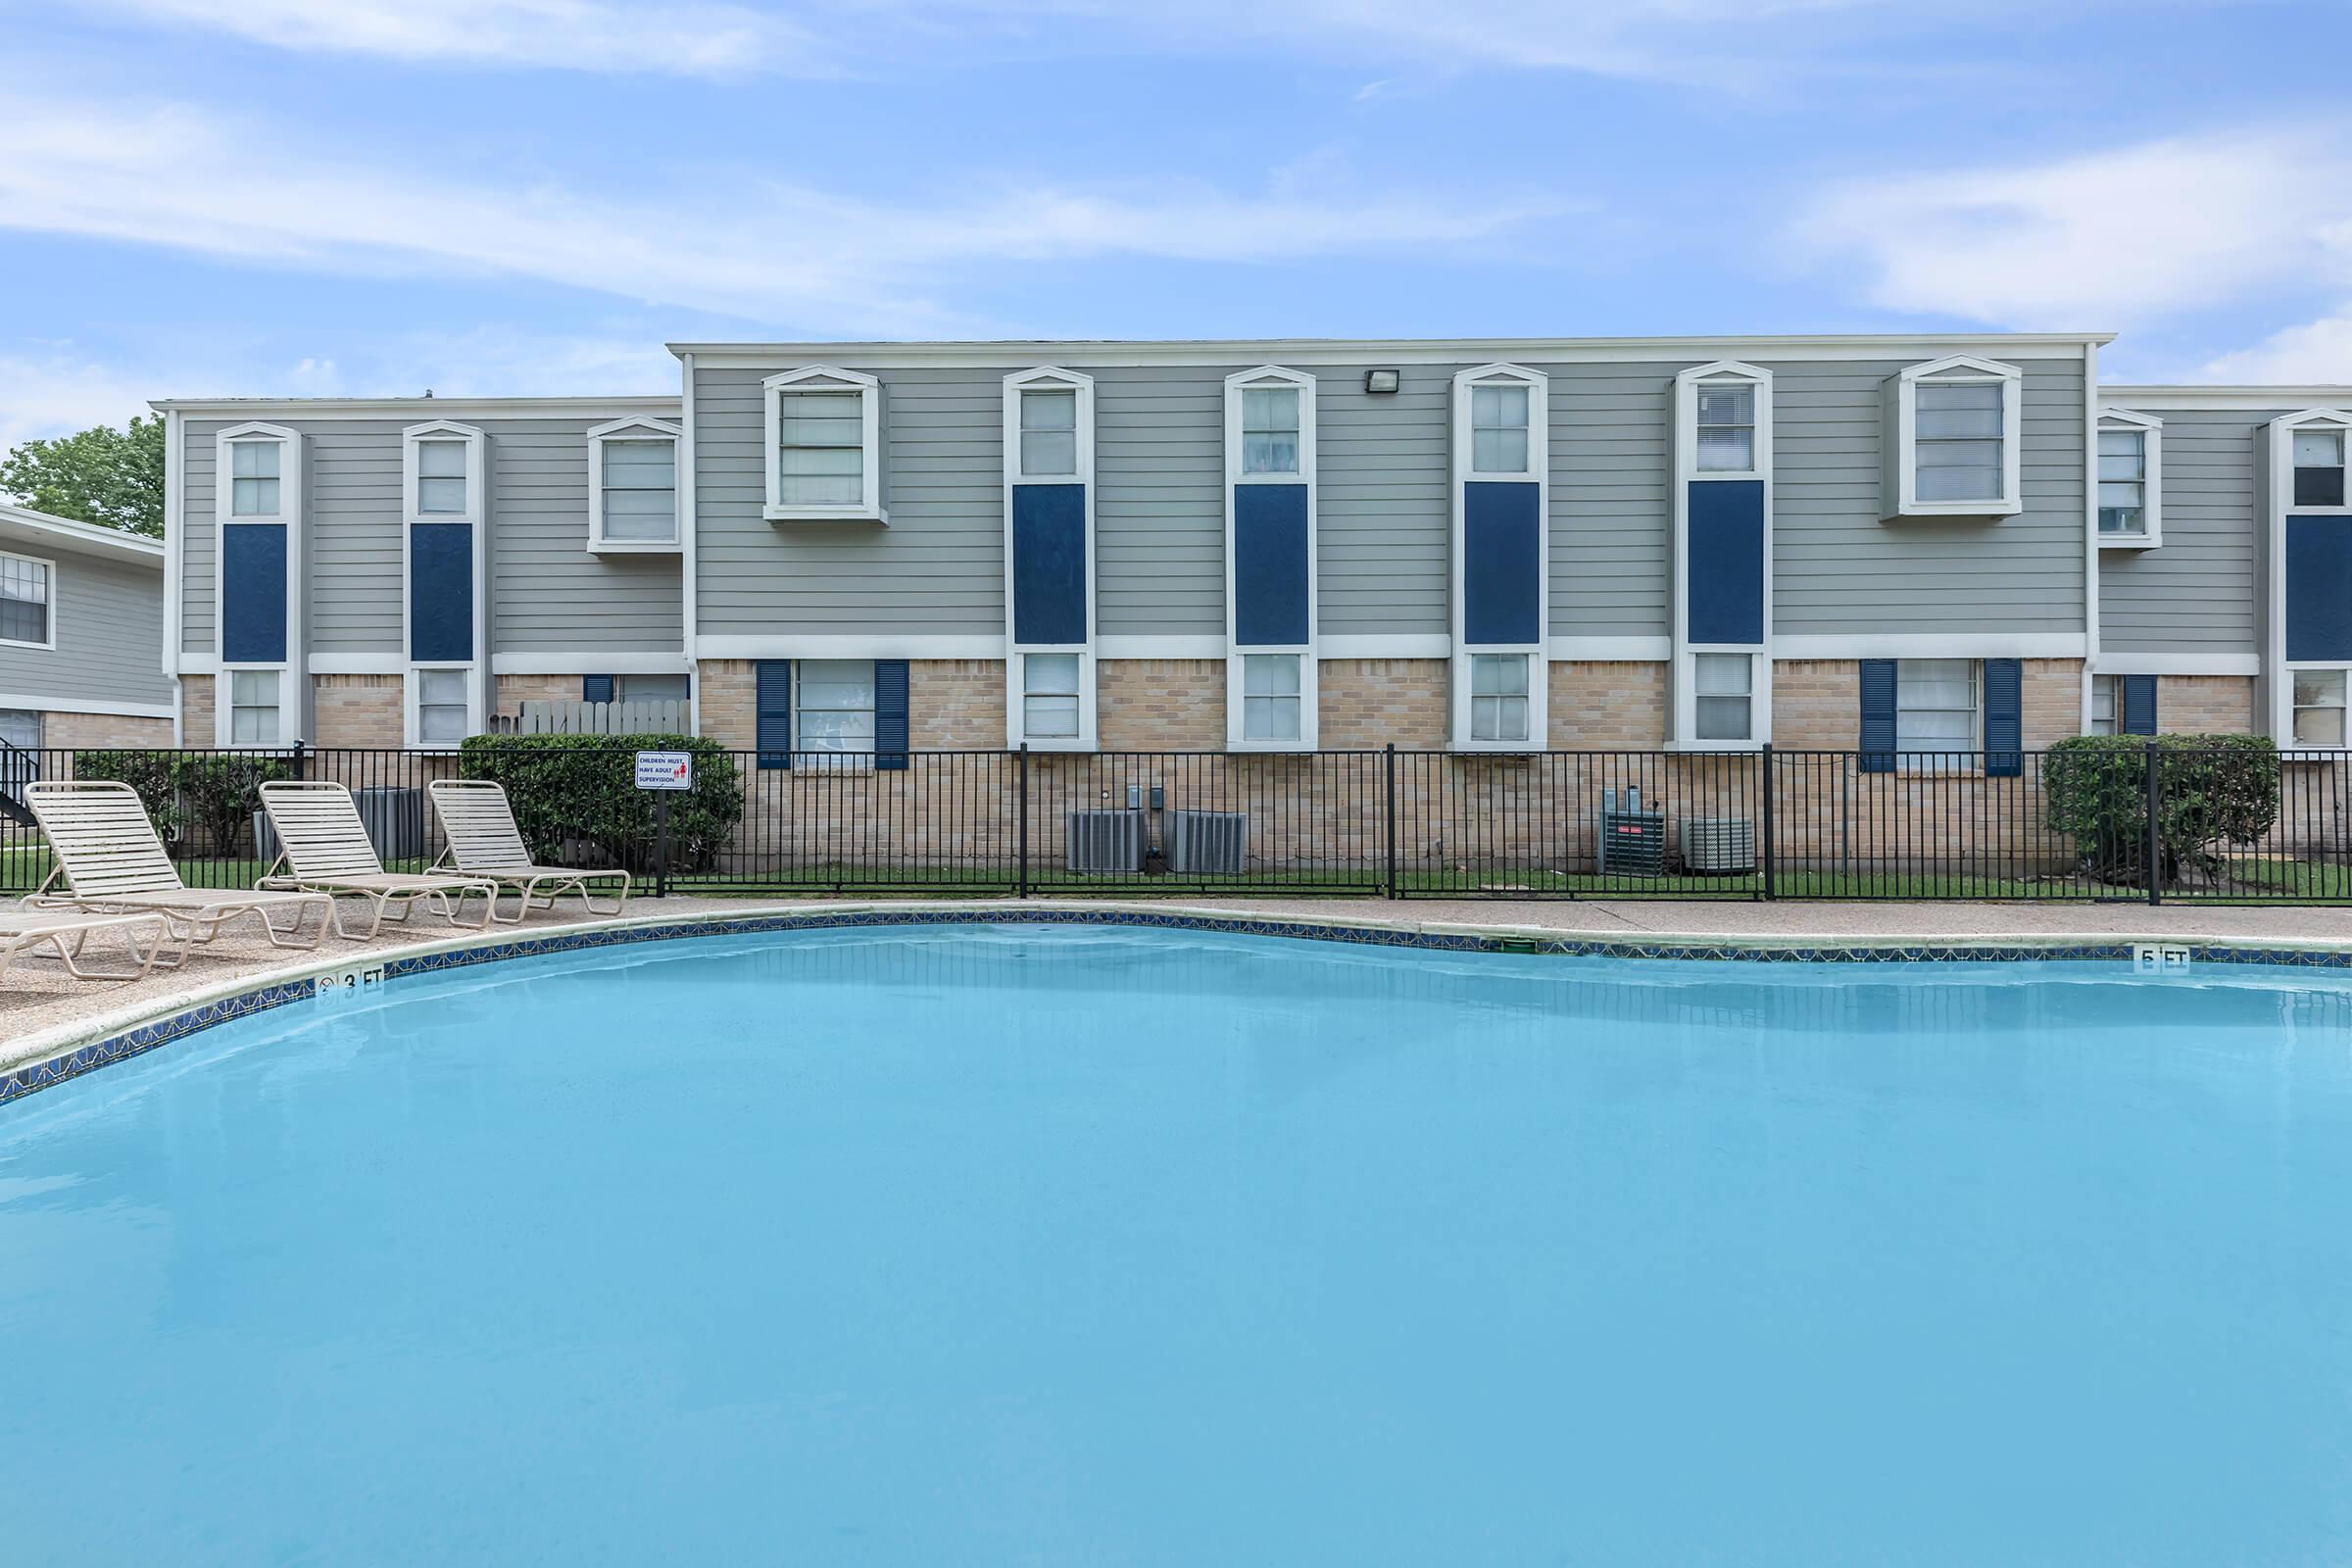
(820, 448)
(1049, 432)
(1498, 443)
(441, 478)
(2319, 467)
(1727, 427)
(253, 486)
(23, 601)
(1270, 429)
(1959, 441)
(2123, 481)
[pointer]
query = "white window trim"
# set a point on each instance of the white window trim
(634, 429)
(412, 695)
(1900, 418)
(290, 495)
(824, 378)
(477, 482)
(1309, 683)
(1016, 670)
(2151, 443)
(2276, 483)
(48, 620)
(2285, 739)
(1538, 457)
(1683, 697)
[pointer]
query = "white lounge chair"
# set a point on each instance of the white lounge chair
(110, 862)
(325, 848)
(62, 931)
(477, 823)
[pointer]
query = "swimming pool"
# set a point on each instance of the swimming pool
(1071, 1245)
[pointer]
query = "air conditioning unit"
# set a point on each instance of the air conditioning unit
(1719, 844)
(1627, 840)
(1207, 843)
(1105, 841)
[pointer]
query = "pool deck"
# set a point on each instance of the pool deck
(44, 1010)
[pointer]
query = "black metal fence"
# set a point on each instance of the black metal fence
(1398, 825)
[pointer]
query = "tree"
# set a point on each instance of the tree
(111, 477)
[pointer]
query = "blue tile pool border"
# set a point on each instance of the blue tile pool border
(26, 1078)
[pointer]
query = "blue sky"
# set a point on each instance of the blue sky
(531, 196)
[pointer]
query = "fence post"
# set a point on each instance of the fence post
(1020, 760)
(1389, 813)
(2155, 845)
(301, 758)
(1771, 846)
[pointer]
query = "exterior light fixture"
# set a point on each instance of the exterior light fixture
(1382, 381)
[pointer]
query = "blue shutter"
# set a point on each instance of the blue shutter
(1878, 716)
(889, 714)
(772, 713)
(2005, 717)
(2139, 706)
(596, 688)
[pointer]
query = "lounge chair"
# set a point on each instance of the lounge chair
(110, 862)
(323, 848)
(63, 931)
(477, 824)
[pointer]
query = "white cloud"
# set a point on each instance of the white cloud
(2315, 354)
(58, 391)
(605, 35)
(184, 177)
(2107, 239)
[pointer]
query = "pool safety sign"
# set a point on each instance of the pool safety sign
(664, 770)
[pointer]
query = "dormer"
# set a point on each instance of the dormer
(1948, 439)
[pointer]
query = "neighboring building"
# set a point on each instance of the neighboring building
(1898, 543)
(81, 635)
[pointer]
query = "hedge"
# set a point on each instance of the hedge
(575, 791)
(2211, 790)
(213, 795)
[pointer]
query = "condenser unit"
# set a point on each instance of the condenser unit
(1105, 841)
(1207, 843)
(1719, 844)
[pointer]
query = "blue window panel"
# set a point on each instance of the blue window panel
(441, 592)
(1503, 565)
(1878, 716)
(1269, 565)
(2318, 588)
(889, 714)
(596, 688)
(253, 591)
(771, 704)
(2140, 704)
(1724, 569)
(1048, 564)
(2005, 717)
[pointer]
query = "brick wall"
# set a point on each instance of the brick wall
(1370, 702)
(99, 731)
(2205, 704)
(361, 711)
(196, 710)
(1613, 706)
(1159, 705)
(1817, 702)
(955, 704)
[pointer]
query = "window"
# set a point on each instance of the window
(1270, 697)
(1050, 696)
(252, 485)
(1498, 697)
(1958, 451)
(2319, 467)
(824, 445)
(1726, 688)
(253, 706)
(23, 601)
(2106, 705)
(441, 478)
(1727, 427)
(1935, 705)
(833, 706)
(2319, 707)
(1049, 432)
(1270, 429)
(633, 485)
(1499, 430)
(2123, 481)
(442, 716)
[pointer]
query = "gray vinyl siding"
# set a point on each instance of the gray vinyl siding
(546, 593)
(1613, 497)
(1384, 528)
(2197, 592)
(108, 615)
(1840, 571)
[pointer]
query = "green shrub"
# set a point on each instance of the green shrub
(2211, 790)
(571, 790)
(148, 773)
(200, 800)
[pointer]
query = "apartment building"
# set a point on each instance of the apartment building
(82, 657)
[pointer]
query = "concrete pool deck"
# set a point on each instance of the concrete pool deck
(45, 1011)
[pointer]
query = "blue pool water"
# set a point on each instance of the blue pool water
(1025, 1245)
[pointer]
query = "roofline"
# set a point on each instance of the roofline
(2291, 398)
(86, 536)
(1255, 351)
(511, 408)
